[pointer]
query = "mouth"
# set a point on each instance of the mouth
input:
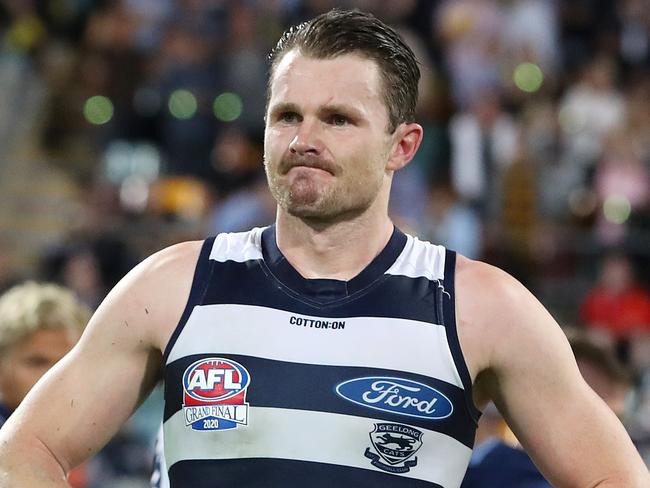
(303, 167)
(319, 166)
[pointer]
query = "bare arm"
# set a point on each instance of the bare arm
(83, 400)
(528, 369)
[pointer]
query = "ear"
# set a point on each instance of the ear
(406, 141)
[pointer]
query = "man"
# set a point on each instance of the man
(39, 324)
(500, 460)
(324, 350)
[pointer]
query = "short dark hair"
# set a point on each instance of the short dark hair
(339, 32)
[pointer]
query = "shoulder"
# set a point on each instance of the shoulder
(496, 315)
(168, 269)
(167, 272)
(152, 296)
(489, 286)
(172, 259)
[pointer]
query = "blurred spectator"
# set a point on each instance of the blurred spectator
(483, 144)
(242, 196)
(499, 460)
(635, 32)
(530, 34)
(622, 179)
(89, 266)
(470, 34)
(588, 27)
(617, 306)
(245, 65)
(510, 243)
(189, 73)
(39, 324)
(25, 31)
(452, 223)
(8, 275)
(590, 109)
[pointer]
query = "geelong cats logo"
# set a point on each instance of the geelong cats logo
(394, 446)
(214, 394)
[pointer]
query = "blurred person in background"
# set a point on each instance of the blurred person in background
(500, 461)
(242, 198)
(622, 177)
(452, 223)
(39, 324)
(470, 32)
(484, 142)
(590, 109)
(618, 306)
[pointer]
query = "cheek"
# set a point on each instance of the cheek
(18, 380)
(275, 142)
(27, 376)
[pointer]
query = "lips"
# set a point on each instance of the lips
(306, 162)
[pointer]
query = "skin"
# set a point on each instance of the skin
(329, 225)
(27, 361)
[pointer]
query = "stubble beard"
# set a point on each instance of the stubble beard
(308, 200)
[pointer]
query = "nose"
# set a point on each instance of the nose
(307, 139)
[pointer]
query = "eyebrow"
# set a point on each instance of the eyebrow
(322, 111)
(341, 109)
(283, 107)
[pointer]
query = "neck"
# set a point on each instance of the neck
(339, 250)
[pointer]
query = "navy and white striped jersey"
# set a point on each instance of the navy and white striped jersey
(275, 380)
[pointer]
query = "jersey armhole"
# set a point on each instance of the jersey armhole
(202, 275)
(448, 316)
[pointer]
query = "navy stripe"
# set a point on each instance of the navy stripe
(449, 313)
(282, 473)
(329, 291)
(202, 276)
(250, 283)
(280, 384)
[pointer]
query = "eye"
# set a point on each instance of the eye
(288, 117)
(37, 362)
(339, 120)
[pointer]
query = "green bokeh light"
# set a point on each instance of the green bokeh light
(528, 77)
(182, 104)
(617, 209)
(228, 107)
(98, 110)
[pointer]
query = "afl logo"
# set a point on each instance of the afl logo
(214, 394)
(215, 379)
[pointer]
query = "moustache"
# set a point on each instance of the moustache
(309, 161)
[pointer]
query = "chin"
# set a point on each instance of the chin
(306, 211)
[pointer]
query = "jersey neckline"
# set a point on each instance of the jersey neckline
(328, 290)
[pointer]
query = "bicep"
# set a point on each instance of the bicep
(574, 438)
(81, 402)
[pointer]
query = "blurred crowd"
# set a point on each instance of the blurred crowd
(536, 154)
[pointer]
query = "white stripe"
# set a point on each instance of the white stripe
(238, 246)
(374, 342)
(420, 259)
(312, 436)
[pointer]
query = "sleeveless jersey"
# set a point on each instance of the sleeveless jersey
(275, 380)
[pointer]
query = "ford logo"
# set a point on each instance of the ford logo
(396, 395)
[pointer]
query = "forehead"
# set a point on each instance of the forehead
(48, 341)
(345, 79)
